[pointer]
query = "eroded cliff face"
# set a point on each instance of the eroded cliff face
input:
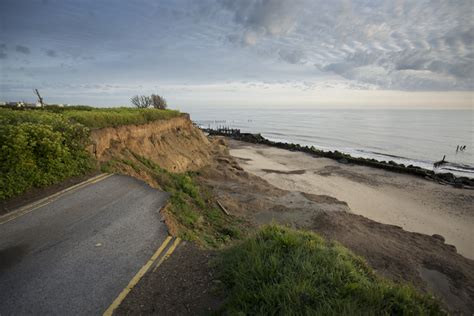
(175, 144)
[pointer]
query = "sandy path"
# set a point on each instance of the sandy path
(415, 204)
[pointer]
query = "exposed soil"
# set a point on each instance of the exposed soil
(425, 261)
(185, 284)
(175, 144)
(35, 194)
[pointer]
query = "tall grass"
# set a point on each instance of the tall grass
(111, 117)
(281, 271)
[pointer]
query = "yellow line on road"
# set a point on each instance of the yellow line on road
(168, 253)
(45, 201)
(136, 278)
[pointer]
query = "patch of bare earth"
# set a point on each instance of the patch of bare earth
(183, 285)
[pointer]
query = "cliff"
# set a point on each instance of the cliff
(174, 144)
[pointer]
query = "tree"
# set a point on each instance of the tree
(141, 101)
(158, 102)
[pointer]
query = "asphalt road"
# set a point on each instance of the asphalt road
(75, 255)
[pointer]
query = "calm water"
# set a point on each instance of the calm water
(418, 137)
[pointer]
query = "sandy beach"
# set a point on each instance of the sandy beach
(415, 204)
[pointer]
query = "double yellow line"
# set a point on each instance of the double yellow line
(45, 201)
(134, 281)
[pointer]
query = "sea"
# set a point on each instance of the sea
(416, 137)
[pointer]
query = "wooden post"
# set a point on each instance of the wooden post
(40, 99)
(222, 208)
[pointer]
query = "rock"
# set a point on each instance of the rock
(458, 185)
(222, 159)
(448, 176)
(236, 166)
(343, 161)
(439, 237)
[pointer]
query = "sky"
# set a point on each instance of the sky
(282, 53)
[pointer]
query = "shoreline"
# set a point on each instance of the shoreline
(445, 178)
(411, 203)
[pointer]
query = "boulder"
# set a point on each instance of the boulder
(343, 161)
(439, 237)
(448, 176)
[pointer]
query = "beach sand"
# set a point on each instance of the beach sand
(415, 204)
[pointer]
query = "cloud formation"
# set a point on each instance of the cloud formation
(410, 45)
(51, 53)
(262, 17)
(22, 49)
(3, 51)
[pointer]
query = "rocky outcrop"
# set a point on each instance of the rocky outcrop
(174, 144)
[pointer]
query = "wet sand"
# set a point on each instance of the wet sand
(413, 203)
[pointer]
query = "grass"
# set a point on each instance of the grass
(281, 271)
(112, 117)
(192, 206)
(93, 117)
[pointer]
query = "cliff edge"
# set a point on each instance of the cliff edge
(174, 144)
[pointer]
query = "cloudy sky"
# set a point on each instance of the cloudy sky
(240, 52)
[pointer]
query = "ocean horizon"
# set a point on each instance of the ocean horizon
(417, 137)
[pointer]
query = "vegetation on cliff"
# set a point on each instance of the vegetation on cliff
(44, 146)
(192, 212)
(293, 272)
(112, 117)
(39, 149)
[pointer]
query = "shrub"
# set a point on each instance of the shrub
(38, 149)
(141, 101)
(158, 102)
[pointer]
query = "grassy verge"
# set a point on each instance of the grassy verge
(288, 272)
(193, 209)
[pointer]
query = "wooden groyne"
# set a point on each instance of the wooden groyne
(223, 131)
(442, 178)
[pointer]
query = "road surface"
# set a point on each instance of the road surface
(75, 255)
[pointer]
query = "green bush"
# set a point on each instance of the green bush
(281, 271)
(38, 149)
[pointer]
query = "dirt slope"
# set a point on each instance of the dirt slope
(175, 144)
